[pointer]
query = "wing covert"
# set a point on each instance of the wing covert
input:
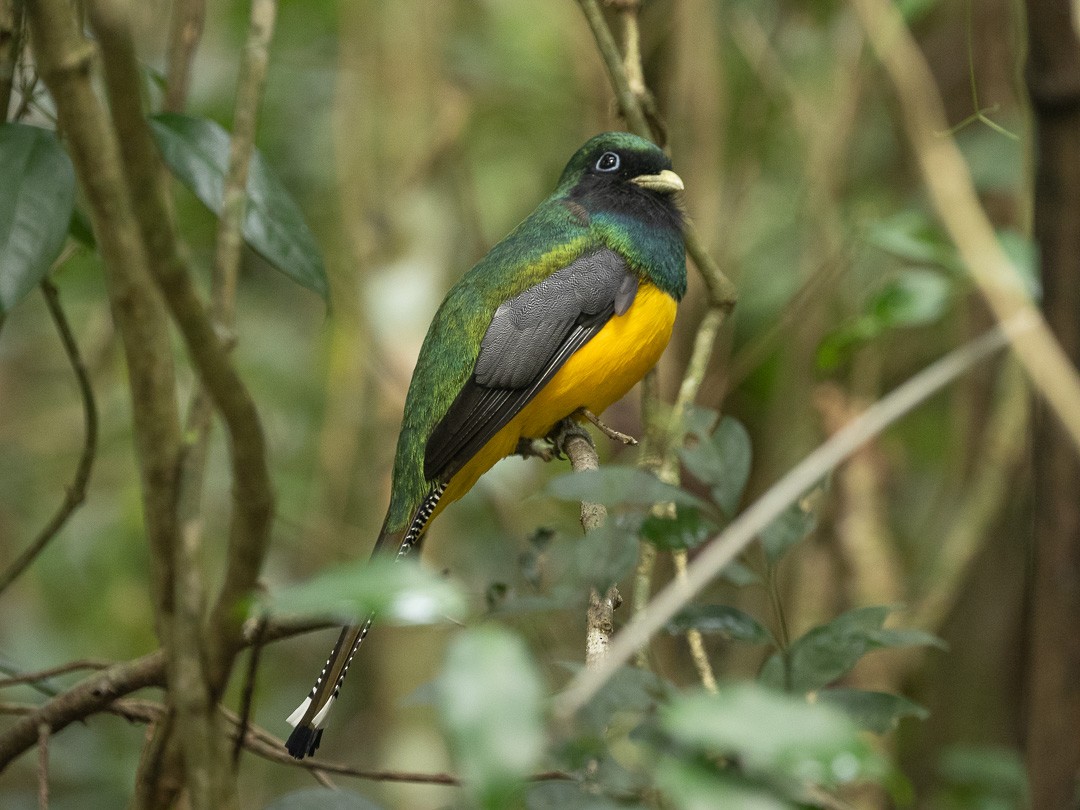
(528, 340)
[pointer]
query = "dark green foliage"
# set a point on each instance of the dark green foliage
(687, 528)
(981, 778)
(723, 620)
(491, 703)
(38, 192)
(405, 594)
(828, 652)
(879, 712)
(197, 151)
(719, 458)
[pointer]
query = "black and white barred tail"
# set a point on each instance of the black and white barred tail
(309, 718)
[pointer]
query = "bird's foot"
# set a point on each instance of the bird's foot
(564, 432)
(606, 429)
(543, 449)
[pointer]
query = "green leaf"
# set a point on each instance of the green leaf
(914, 297)
(692, 785)
(568, 795)
(905, 637)
(771, 734)
(789, 527)
(38, 195)
(606, 554)
(402, 592)
(826, 652)
(829, 651)
(721, 460)
(879, 712)
(739, 574)
(613, 485)
(491, 704)
(320, 798)
(723, 620)
(913, 236)
(687, 529)
(197, 151)
(631, 690)
(983, 777)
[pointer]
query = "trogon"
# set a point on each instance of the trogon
(566, 313)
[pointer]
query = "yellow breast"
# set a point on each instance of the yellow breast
(596, 375)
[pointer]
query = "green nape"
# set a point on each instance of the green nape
(551, 237)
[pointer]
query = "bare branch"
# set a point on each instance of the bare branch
(76, 493)
(52, 672)
(43, 767)
(724, 547)
(252, 494)
(185, 31)
(65, 59)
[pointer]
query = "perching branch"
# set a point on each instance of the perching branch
(574, 440)
(76, 493)
(635, 103)
(722, 549)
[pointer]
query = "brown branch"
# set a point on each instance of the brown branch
(98, 692)
(89, 696)
(185, 31)
(76, 492)
(65, 60)
(252, 494)
(52, 672)
(574, 440)
(43, 767)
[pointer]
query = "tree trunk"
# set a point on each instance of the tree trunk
(1053, 669)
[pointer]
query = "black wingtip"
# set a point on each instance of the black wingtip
(304, 741)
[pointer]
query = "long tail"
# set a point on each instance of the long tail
(309, 718)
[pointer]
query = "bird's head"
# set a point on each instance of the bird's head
(620, 173)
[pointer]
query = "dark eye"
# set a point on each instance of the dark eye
(608, 162)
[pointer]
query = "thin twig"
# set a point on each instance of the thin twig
(185, 31)
(43, 767)
(52, 672)
(952, 192)
(635, 103)
(728, 544)
(76, 492)
(247, 698)
(97, 693)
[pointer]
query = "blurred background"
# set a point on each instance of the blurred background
(414, 135)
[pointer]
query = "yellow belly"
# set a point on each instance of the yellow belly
(596, 375)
